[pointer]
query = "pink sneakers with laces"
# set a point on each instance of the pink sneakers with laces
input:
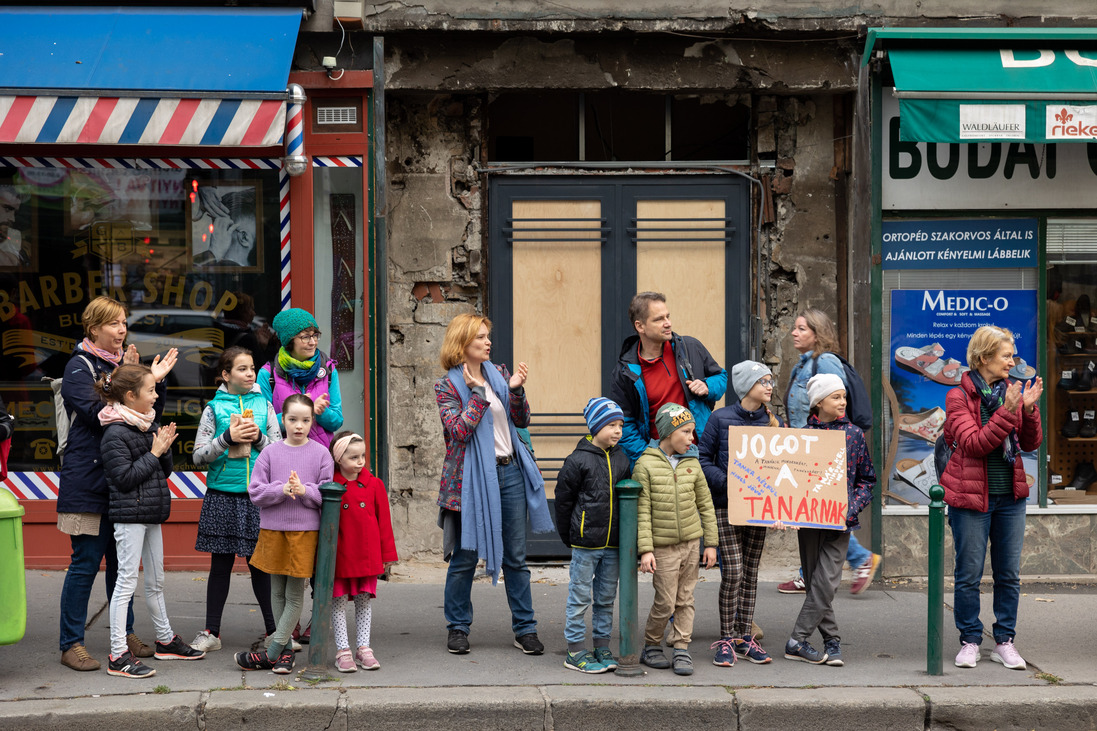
(968, 656)
(365, 658)
(1006, 653)
(344, 662)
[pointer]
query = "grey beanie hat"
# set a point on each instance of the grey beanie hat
(744, 375)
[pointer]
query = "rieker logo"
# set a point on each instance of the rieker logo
(1072, 122)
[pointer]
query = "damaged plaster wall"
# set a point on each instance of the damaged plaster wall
(434, 274)
(801, 241)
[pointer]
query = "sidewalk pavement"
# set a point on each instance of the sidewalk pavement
(421, 686)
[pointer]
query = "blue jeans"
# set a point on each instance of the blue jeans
(856, 554)
(1004, 525)
(462, 565)
(594, 573)
(87, 553)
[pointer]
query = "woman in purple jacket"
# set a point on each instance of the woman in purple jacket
(301, 367)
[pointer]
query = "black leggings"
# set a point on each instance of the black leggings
(217, 592)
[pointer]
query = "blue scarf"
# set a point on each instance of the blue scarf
(992, 397)
(481, 514)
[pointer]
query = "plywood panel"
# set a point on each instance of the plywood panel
(557, 274)
(684, 259)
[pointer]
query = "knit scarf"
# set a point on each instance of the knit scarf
(118, 413)
(481, 512)
(90, 347)
(301, 372)
(992, 397)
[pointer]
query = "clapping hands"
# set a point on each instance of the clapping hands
(293, 486)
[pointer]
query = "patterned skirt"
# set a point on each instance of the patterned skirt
(229, 523)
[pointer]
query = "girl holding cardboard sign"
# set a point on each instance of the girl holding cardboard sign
(823, 550)
(740, 545)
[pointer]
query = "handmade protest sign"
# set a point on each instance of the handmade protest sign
(795, 476)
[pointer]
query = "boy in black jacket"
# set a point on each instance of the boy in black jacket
(586, 518)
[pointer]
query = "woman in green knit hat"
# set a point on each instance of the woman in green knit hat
(301, 367)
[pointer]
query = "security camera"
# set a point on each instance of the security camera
(328, 62)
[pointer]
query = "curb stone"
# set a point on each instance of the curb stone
(784, 708)
(435, 709)
(106, 713)
(1020, 708)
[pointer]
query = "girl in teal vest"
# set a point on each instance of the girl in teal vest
(235, 426)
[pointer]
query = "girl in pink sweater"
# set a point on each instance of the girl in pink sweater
(286, 486)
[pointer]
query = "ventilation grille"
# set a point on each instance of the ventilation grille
(337, 115)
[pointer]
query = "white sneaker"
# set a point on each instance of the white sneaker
(206, 642)
(968, 656)
(1007, 654)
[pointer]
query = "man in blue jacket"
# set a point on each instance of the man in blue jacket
(657, 367)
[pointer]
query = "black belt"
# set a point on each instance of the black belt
(501, 461)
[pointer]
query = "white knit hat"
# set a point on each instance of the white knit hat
(822, 385)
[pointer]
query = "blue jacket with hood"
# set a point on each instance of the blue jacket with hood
(628, 391)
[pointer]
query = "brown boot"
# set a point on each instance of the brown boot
(137, 647)
(77, 658)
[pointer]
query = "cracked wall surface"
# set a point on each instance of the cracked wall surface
(434, 274)
(548, 16)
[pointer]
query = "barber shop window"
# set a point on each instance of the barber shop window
(193, 254)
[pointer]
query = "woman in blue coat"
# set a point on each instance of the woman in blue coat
(82, 490)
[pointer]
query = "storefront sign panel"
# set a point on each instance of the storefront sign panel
(959, 244)
(930, 332)
(986, 175)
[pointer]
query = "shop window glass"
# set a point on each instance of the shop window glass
(1071, 420)
(193, 254)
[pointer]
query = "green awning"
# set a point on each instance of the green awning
(996, 94)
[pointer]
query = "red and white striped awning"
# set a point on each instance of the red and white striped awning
(142, 121)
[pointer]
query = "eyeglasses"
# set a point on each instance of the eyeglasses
(766, 382)
(313, 337)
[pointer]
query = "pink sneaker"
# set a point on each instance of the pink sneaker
(862, 575)
(968, 656)
(365, 658)
(1006, 653)
(344, 662)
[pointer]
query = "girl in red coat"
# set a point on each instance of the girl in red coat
(365, 551)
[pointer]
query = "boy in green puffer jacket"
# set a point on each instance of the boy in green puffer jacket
(675, 514)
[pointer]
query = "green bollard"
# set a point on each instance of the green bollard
(324, 583)
(936, 589)
(628, 492)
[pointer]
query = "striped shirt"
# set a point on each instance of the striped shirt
(999, 471)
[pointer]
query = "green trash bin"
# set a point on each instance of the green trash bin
(13, 579)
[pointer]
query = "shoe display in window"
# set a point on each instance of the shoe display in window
(1089, 425)
(1072, 426)
(1084, 476)
(1067, 380)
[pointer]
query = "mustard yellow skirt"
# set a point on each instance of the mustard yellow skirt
(286, 552)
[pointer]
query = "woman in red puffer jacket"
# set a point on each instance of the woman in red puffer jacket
(991, 420)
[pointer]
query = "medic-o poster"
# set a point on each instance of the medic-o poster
(930, 331)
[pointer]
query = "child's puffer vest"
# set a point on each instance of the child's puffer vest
(233, 474)
(284, 388)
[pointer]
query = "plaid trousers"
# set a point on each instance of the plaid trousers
(740, 553)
